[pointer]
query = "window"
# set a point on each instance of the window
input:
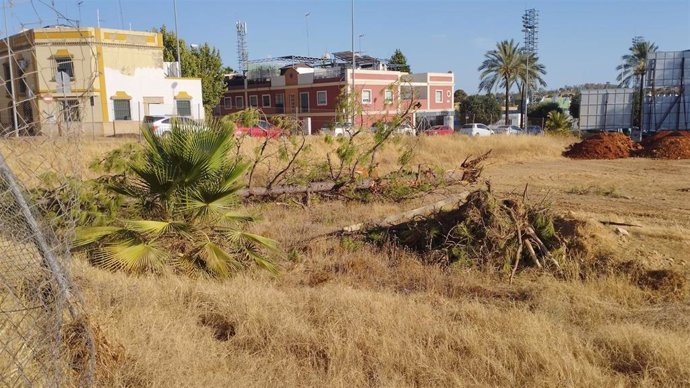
(266, 100)
(280, 102)
(65, 64)
(439, 96)
(321, 98)
(227, 102)
(22, 82)
(388, 96)
(121, 108)
(304, 102)
(184, 108)
(8, 78)
(239, 102)
(366, 96)
(70, 110)
(254, 101)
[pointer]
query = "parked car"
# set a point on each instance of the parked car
(439, 130)
(402, 129)
(261, 129)
(339, 129)
(534, 130)
(162, 125)
(475, 129)
(508, 130)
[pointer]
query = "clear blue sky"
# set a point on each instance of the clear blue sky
(579, 41)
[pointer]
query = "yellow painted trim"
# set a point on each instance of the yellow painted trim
(182, 95)
(62, 53)
(101, 77)
(160, 39)
(121, 95)
(73, 91)
(120, 37)
(52, 35)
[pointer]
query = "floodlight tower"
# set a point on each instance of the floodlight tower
(530, 26)
(242, 54)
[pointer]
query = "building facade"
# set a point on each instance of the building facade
(314, 93)
(92, 80)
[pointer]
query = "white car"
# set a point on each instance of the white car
(402, 129)
(508, 130)
(162, 125)
(475, 129)
(341, 129)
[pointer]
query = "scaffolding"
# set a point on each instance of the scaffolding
(606, 109)
(666, 97)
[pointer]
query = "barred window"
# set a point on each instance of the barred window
(184, 108)
(70, 110)
(65, 64)
(122, 111)
(227, 102)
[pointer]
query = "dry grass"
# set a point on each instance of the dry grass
(343, 313)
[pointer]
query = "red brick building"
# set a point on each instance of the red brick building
(312, 91)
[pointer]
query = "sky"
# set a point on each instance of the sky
(579, 41)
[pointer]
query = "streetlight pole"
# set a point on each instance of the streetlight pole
(177, 38)
(354, 94)
(306, 21)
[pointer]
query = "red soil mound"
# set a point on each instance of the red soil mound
(668, 145)
(602, 146)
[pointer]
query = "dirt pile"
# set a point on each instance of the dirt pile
(667, 145)
(603, 146)
(663, 145)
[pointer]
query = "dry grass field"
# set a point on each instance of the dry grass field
(344, 313)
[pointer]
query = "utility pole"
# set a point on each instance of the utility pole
(306, 20)
(354, 94)
(10, 59)
(530, 22)
(177, 38)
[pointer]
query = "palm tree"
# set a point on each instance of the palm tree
(180, 210)
(634, 67)
(500, 67)
(530, 71)
(558, 122)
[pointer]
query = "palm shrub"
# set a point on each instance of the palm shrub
(179, 214)
(558, 122)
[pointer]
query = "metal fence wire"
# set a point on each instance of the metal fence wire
(45, 339)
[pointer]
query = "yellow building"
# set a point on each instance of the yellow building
(112, 79)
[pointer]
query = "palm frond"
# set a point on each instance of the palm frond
(154, 228)
(92, 234)
(132, 257)
(217, 260)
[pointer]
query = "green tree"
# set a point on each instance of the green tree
(575, 105)
(400, 61)
(210, 70)
(558, 122)
(203, 62)
(542, 109)
(501, 67)
(459, 96)
(530, 71)
(180, 210)
(634, 67)
(228, 70)
(480, 109)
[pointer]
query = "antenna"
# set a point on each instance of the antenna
(530, 26)
(242, 54)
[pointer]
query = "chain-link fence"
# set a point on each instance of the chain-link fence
(45, 339)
